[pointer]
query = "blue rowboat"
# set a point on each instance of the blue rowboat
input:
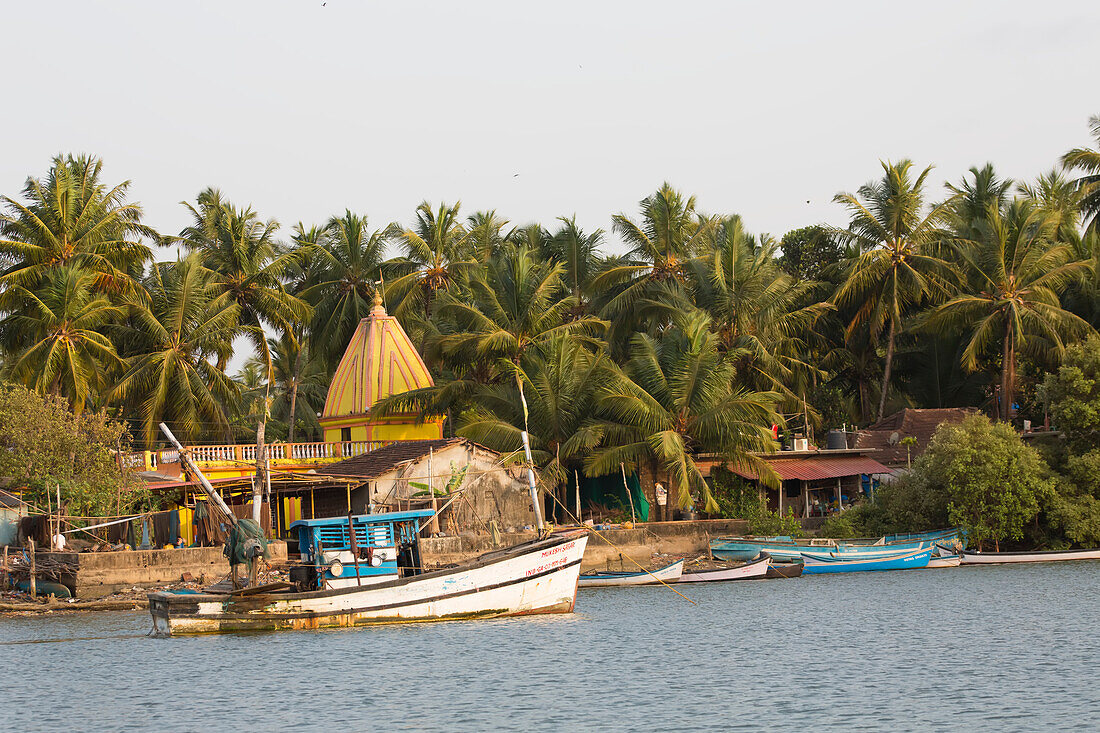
(791, 551)
(904, 561)
(787, 549)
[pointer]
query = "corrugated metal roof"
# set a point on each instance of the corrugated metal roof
(817, 468)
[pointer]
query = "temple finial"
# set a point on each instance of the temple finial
(379, 309)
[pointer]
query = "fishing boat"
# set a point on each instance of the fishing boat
(363, 570)
(945, 561)
(755, 570)
(999, 558)
(909, 560)
(602, 579)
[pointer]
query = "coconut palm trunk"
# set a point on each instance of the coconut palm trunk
(294, 393)
(1008, 375)
(887, 367)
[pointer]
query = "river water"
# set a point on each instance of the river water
(972, 648)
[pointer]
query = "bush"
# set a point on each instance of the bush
(43, 446)
(1073, 395)
(772, 524)
(736, 497)
(840, 526)
(994, 483)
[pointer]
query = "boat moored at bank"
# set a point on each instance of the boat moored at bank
(1001, 558)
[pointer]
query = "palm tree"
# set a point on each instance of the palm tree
(1016, 275)
(562, 381)
(71, 216)
(1088, 161)
(518, 302)
(762, 316)
(971, 199)
(1056, 196)
(670, 234)
(438, 251)
(486, 235)
(169, 346)
(678, 404)
(341, 282)
(579, 252)
(301, 383)
(248, 268)
(893, 270)
(58, 330)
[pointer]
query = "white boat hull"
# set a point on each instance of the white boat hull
(755, 569)
(541, 580)
(952, 561)
(1001, 558)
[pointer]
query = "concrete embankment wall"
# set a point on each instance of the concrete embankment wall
(100, 574)
(639, 543)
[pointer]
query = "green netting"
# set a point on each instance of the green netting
(609, 491)
(245, 536)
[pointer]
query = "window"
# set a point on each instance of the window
(345, 434)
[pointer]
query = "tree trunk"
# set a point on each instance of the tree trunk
(260, 478)
(294, 393)
(886, 370)
(1008, 377)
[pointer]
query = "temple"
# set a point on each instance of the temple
(380, 361)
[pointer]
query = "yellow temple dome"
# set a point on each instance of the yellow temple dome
(380, 361)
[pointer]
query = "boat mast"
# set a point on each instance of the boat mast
(193, 467)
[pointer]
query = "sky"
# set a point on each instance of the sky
(539, 110)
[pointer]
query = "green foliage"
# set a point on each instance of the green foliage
(736, 498)
(772, 524)
(841, 526)
(994, 483)
(43, 444)
(810, 253)
(1073, 395)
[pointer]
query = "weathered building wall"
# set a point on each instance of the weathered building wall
(491, 492)
(639, 544)
(100, 574)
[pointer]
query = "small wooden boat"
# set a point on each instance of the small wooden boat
(844, 564)
(755, 570)
(668, 574)
(944, 561)
(999, 558)
(785, 569)
(364, 570)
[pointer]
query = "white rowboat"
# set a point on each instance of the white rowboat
(1000, 558)
(668, 574)
(757, 569)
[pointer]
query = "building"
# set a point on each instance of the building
(889, 435)
(12, 509)
(473, 490)
(814, 482)
(380, 361)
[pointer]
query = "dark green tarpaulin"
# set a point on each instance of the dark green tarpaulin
(609, 491)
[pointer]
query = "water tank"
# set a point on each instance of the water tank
(835, 440)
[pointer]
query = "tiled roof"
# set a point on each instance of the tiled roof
(886, 435)
(10, 501)
(378, 462)
(816, 468)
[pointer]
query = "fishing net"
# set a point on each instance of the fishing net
(245, 540)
